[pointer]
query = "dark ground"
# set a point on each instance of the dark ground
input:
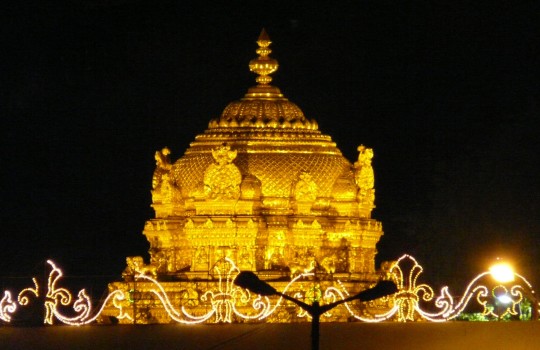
(418, 336)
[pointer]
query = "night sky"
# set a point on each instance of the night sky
(446, 93)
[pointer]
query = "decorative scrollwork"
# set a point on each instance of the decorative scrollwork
(23, 296)
(55, 297)
(227, 303)
(224, 300)
(7, 307)
(406, 302)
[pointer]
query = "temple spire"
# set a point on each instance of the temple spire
(263, 65)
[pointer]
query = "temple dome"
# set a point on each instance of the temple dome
(262, 190)
(273, 139)
(264, 187)
(263, 106)
(263, 113)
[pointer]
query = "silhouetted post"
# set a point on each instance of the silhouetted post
(315, 320)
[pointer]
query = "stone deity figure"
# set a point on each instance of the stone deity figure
(163, 166)
(222, 179)
(364, 176)
(164, 190)
(305, 189)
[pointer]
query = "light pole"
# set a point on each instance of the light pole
(250, 281)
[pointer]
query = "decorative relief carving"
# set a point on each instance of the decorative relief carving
(190, 296)
(167, 192)
(305, 189)
(344, 189)
(251, 187)
(304, 261)
(275, 259)
(222, 179)
(364, 176)
(201, 259)
(245, 258)
(136, 265)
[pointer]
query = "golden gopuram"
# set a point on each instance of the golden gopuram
(261, 189)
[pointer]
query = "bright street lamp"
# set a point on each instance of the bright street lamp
(502, 272)
(250, 281)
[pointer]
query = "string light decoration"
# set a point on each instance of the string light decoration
(227, 303)
(406, 302)
(23, 297)
(7, 307)
(483, 288)
(385, 305)
(401, 306)
(224, 301)
(56, 297)
(410, 293)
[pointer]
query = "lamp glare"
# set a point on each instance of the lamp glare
(502, 272)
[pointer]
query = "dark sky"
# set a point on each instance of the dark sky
(445, 92)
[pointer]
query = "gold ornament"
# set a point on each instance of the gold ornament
(364, 176)
(222, 179)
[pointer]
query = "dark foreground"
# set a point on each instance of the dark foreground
(451, 335)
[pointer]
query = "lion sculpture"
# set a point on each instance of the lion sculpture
(136, 266)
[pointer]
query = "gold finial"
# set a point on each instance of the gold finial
(263, 65)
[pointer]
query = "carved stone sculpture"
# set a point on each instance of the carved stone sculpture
(222, 179)
(136, 265)
(364, 176)
(163, 166)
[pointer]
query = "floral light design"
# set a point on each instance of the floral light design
(224, 301)
(24, 294)
(229, 303)
(410, 293)
(7, 307)
(406, 301)
(484, 289)
(55, 297)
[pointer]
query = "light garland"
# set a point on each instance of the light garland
(343, 294)
(227, 302)
(406, 300)
(406, 306)
(55, 297)
(23, 294)
(223, 301)
(7, 307)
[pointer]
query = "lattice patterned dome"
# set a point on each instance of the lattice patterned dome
(274, 140)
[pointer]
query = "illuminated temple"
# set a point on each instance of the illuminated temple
(261, 189)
